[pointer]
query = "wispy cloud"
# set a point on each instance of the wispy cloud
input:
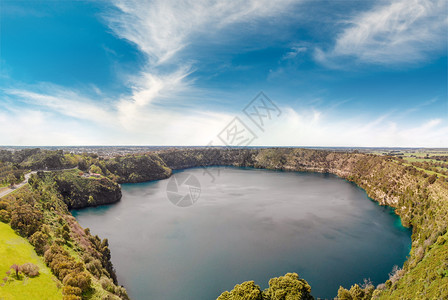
(316, 128)
(65, 102)
(161, 29)
(60, 119)
(295, 50)
(393, 32)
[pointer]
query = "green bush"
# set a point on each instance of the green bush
(29, 269)
(247, 290)
(26, 219)
(40, 242)
(81, 280)
(288, 287)
(71, 290)
(5, 216)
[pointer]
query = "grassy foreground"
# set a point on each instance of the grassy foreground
(17, 250)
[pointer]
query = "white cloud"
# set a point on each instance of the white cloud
(319, 128)
(296, 50)
(58, 117)
(162, 28)
(393, 32)
(64, 102)
(48, 123)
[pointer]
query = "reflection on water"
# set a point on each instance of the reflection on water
(248, 225)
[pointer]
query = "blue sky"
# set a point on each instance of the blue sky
(165, 72)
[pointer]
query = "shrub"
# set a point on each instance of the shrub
(59, 241)
(95, 267)
(396, 274)
(81, 280)
(71, 297)
(107, 284)
(61, 263)
(40, 242)
(432, 179)
(356, 292)
(3, 205)
(5, 216)
(66, 232)
(289, 286)
(247, 290)
(29, 269)
(26, 219)
(71, 290)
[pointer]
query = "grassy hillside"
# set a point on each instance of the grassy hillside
(79, 260)
(427, 280)
(17, 250)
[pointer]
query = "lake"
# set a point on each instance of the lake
(248, 224)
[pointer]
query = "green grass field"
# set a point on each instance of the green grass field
(17, 250)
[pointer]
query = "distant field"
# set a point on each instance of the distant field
(16, 250)
(419, 156)
(427, 171)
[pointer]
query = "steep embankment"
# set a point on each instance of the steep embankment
(78, 191)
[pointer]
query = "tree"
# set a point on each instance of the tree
(11, 179)
(289, 287)
(357, 292)
(246, 291)
(80, 280)
(95, 169)
(91, 201)
(5, 216)
(16, 269)
(66, 232)
(40, 242)
(26, 219)
(432, 178)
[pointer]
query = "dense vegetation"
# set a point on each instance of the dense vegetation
(288, 287)
(417, 191)
(37, 159)
(78, 191)
(137, 168)
(80, 261)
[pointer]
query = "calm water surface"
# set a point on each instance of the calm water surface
(248, 225)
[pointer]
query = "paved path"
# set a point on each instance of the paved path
(25, 181)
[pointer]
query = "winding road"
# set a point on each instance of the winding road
(25, 181)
